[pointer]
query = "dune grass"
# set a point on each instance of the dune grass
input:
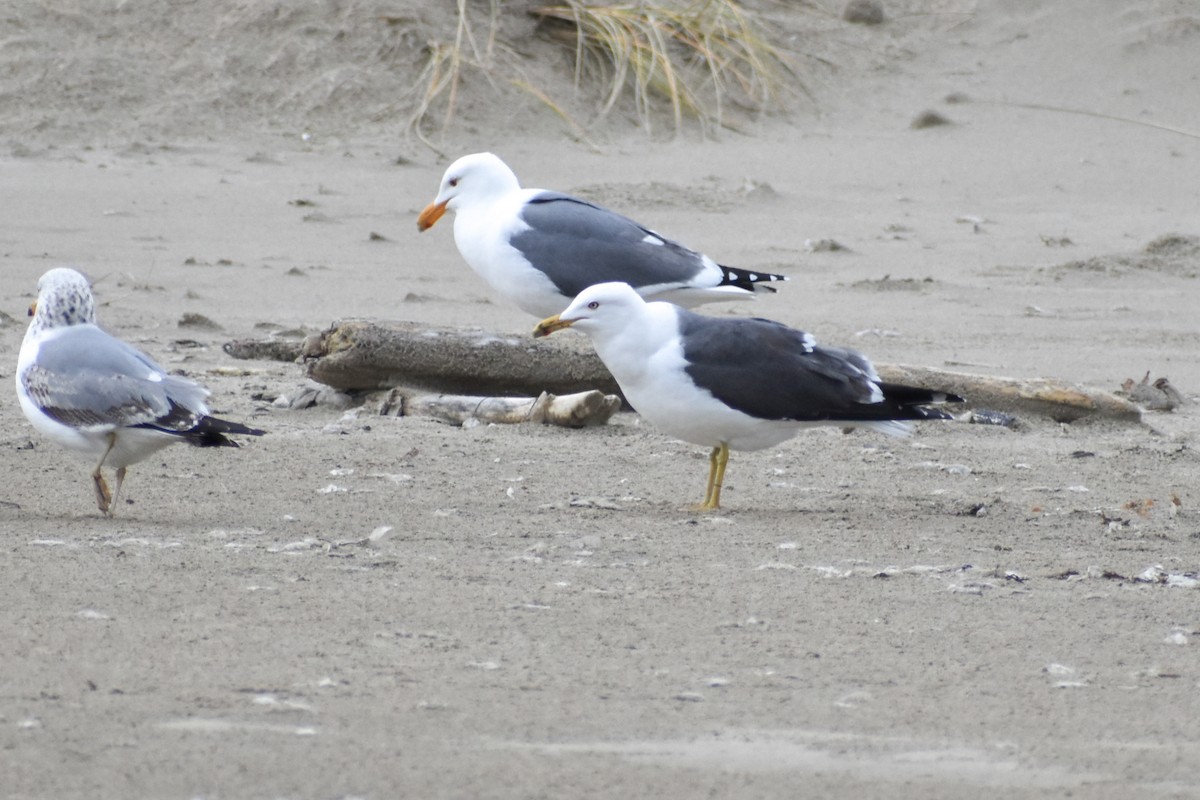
(449, 64)
(692, 57)
(445, 66)
(688, 59)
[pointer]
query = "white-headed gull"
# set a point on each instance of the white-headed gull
(734, 383)
(540, 249)
(94, 394)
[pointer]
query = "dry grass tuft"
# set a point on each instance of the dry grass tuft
(695, 56)
(443, 72)
(449, 63)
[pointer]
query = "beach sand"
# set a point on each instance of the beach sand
(356, 606)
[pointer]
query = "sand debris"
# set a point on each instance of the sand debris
(1157, 396)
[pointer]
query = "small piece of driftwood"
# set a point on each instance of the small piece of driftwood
(577, 410)
(1157, 396)
(367, 355)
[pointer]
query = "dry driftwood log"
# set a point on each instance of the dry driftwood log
(1042, 397)
(569, 411)
(369, 355)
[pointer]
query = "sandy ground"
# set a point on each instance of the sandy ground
(975, 610)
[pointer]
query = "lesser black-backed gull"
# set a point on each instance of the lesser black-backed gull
(734, 383)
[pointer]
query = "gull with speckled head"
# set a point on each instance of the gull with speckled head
(734, 383)
(94, 394)
(540, 249)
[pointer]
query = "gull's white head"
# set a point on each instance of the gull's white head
(599, 309)
(64, 298)
(479, 176)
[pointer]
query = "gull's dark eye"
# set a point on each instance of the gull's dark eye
(593, 305)
(453, 181)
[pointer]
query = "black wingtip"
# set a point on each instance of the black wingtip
(916, 403)
(210, 432)
(748, 279)
(917, 395)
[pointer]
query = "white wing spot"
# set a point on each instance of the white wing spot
(752, 276)
(650, 239)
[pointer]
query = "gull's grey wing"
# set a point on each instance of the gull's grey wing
(770, 371)
(84, 377)
(579, 244)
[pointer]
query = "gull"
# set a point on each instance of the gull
(740, 384)
(540, 249)
(94, 394)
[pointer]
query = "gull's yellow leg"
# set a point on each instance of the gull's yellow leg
(712, 476)
(104, 498)
(716, 476)
(722, 460)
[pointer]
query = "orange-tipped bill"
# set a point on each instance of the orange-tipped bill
(551, 324)
(429, 217)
